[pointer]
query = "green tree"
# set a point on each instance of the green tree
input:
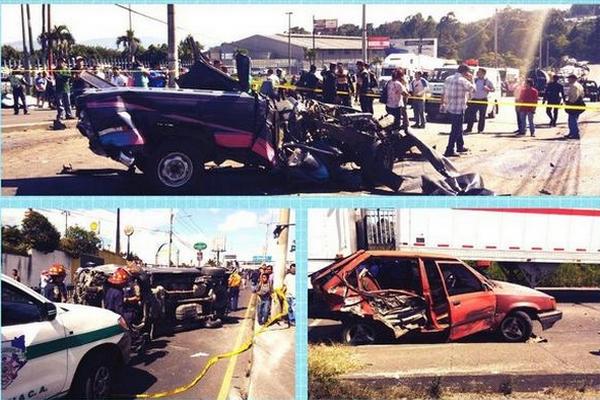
(79, 241)
(39, 233)
(9, 53)
(298, 30)
(348, 30)
(185, 50)
(13, 241)
(450, 32)
(60, 38)
(130, 44)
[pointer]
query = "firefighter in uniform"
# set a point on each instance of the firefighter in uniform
(55, 290)
(114, 293)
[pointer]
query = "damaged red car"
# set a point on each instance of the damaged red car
(379, 294)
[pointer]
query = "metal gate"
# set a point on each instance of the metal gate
(380, 229)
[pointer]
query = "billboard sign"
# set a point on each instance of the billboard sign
(325, 25)
(378, 42)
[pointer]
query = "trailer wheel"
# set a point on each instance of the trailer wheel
(175, 167)
(516, 327)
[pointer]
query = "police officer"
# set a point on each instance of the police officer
(55, 290)
(132, 292)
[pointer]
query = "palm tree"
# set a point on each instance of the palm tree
(59, 39)
(130, 43)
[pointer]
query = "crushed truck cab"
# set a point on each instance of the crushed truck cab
(54, 349)
(390, 293)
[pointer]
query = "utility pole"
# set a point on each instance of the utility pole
(541, 41)
(547, 53)
(170, 235)
(313, 39)
(172, 44)
(118, 237)
(49, 30)
(364, 33)
(43, 31)
(289, 14)
(130, 44)
(496, 38)
(66, 213)
(29, 29)
(282, 250)
(25, 51)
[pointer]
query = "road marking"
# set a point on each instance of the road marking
(226, 384)
(200, 354)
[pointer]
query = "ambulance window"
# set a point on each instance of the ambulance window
(18, 307)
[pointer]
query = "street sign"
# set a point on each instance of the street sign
(378, 42)
(128, 230)
(200, 246)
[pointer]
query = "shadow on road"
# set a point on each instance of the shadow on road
(132, 381)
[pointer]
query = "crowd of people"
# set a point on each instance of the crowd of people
(59, 87)
(261, 283)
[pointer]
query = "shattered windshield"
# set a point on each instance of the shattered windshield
(440, 74)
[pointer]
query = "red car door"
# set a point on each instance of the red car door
(472, 302)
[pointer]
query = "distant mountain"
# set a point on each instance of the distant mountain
(103, 42)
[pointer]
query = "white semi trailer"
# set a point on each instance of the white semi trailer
(527, 243)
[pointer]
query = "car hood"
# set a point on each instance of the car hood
(80, 318)
(506, 288)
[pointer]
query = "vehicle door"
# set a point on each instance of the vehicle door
(472, 303)
(34, 354)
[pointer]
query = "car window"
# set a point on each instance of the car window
(18, 307)
(435, 282)
(459, 280)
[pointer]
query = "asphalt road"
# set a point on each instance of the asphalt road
(572, 345)
(33, 159)
(173, 361)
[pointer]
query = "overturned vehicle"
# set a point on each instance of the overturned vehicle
(171, 134)
(382, 295)
(171, 298)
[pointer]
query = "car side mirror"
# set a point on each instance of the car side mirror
(48, 311)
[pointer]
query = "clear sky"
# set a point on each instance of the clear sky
(214, 24)
(245, 230)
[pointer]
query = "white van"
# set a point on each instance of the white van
(436, 88)
(53, 349)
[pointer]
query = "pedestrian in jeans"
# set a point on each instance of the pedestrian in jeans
(233, 283)
(264, 292)
(62, 76)
(418, 90)
(363, 87)
(396, 93)
(574, 98)
(17, 84)
(553, 94)
(483, 86)
(289, 284)
(528, 95)
(40, 83)
(457, 90)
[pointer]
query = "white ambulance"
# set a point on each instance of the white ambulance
(53, 349)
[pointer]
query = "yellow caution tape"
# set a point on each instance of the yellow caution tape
(280, 296)
(439, 100)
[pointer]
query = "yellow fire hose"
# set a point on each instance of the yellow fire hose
(279, 296)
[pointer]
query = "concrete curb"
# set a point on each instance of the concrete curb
(240, 384)
(492, 383)
(36, 125)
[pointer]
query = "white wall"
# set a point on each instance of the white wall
(31, 267)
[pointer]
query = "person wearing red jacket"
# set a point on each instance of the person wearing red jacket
(529, 95)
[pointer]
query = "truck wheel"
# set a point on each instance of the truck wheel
(516, 327)
(356, 333)
(94, 378)
(175, 167)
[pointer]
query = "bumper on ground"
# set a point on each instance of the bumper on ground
(548, 319)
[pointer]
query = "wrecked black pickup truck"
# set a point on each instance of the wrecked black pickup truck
(170, 134)
(171, 297)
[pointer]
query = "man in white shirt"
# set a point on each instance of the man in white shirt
(457, 91)
(289, 283)
(574, 98)
(419, 87)
(118, 79)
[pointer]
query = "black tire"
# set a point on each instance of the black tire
(362, 331)
(94, 378)
(516, 327)
(176, 167)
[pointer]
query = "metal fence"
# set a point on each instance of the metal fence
(380, 229)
